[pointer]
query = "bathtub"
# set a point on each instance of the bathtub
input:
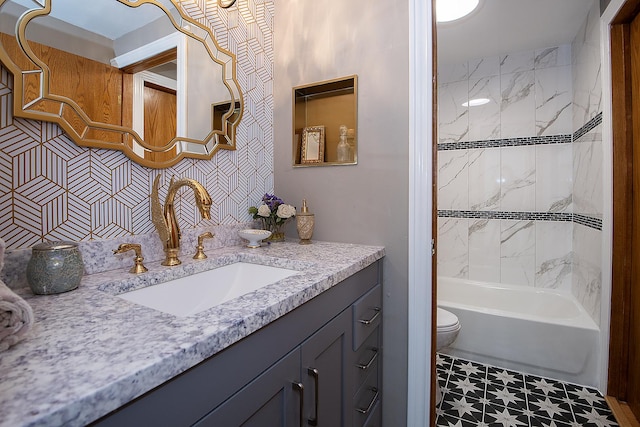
(538, 331)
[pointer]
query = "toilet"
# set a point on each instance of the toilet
(447, 332)
(448, 328)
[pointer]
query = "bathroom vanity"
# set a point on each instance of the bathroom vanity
(305, 350)
(307, 366)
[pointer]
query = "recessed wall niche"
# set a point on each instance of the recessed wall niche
(325, 116)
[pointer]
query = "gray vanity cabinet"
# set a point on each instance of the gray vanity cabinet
(306, 387)
(325, 359)
(306, 368)
(273, 399)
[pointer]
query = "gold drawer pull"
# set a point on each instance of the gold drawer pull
(373, 401)
(367, 322)
(365, 366)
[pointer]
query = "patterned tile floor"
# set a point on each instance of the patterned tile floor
(474, 394)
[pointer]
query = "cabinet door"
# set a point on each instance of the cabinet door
(273, 399)
(325, 356)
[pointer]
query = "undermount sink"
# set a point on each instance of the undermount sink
(192, 294)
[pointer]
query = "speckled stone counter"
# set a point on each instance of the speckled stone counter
(90, 351)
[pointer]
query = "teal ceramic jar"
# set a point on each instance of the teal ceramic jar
(54, 267)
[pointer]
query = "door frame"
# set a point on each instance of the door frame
(616, 109)
(421, 286)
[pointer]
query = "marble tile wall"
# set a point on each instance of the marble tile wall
(587, 165)
(512, 157)
(520, 178)
(529, 94)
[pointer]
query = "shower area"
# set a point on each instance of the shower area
(520, 202)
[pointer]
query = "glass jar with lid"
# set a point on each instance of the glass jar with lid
(54, 267)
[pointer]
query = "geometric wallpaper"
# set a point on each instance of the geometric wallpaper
(51, 189)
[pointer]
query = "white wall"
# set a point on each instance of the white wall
(366, 203)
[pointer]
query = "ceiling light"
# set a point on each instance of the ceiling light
(476, 102)
(450, 10)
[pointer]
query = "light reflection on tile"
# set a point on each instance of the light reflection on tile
(484, 187)
(484, 250)
(554, 177)
(554, 255)
(518, 178)
(453, 247)
(517, 117)
(517, 252)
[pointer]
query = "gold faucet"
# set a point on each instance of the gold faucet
(165, 218)
(200, 248)
(138, 266)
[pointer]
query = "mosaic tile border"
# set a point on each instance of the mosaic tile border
(506, 142)
(524, 141)
(585, 220)
(591, 124)
(588, 221)
(520, 216)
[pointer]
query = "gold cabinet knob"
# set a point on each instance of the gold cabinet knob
(200, 248)
(138, 266)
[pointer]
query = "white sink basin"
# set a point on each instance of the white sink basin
(198, 292)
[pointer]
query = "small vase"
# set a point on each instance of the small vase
(277, 235)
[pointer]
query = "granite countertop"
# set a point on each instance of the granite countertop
(90, 351)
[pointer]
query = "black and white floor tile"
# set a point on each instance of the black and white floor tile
(474, 394)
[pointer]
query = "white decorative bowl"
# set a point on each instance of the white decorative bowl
(254, 236)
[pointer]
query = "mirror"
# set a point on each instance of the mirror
(138, 76)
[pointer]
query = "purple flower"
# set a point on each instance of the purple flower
(272, 201)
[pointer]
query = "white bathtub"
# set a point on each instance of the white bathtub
(538, 331)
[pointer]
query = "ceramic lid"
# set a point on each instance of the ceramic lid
(54, 246)
(446, 319)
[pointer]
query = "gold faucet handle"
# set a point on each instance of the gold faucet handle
(138, 266)
(200, 248)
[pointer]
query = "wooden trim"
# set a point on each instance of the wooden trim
(623, 210)
(627, 12)
(622, 388)
(147, 64)
(622, 412)
(434, 213)
(160, 88)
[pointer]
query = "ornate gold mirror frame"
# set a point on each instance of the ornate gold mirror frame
(33, 99)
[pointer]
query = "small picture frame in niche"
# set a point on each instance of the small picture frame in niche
(312, 145)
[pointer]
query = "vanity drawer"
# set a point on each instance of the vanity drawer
(365, 400)
(366, 360)
(375, 419)
(367, 314)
